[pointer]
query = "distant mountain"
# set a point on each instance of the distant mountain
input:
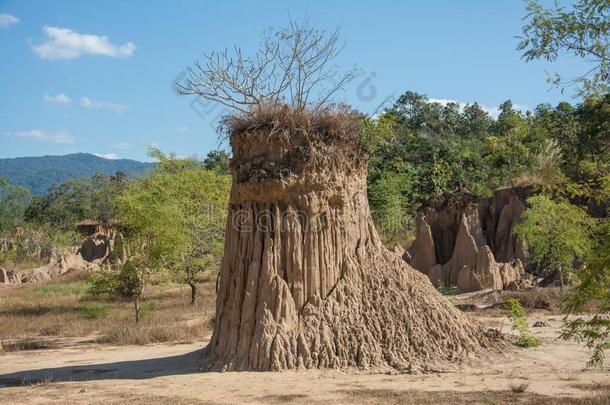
(38, 173)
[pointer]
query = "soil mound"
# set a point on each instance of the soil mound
(305, 280)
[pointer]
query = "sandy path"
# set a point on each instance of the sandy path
(169, 373)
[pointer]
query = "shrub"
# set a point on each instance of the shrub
(517, 316)
(446, 289)
(102, 283)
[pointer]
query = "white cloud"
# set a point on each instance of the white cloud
(182, 128)
(89, 103)
(121, 146)
(44, 136)
(521, 107)
(7, 20)
(60, 98)
(492, 111)
(63, 43)
(110, 156)
(443, 101)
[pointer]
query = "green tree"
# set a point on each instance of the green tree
(13, 202)
(173, 221)
(517, 316)
(593, 288)
(217, 161)
(388, 199)
(78, 199)
(556, 233)
(582, 31)
(153, 224)
(203, 196)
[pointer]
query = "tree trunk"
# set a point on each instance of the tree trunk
(137, 309)
(305, 281)
(193, 292)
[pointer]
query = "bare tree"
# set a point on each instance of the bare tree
(293, 66)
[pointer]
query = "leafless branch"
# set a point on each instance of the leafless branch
(292, 66)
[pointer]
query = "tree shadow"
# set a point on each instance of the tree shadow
(188, 363)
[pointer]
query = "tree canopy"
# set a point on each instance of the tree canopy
(583, 30)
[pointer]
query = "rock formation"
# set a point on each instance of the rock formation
(101, 238)
(469, 243)
(102, 246)
(305, 280)
(58, 264)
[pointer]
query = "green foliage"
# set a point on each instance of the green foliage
(217, 161)
(59, 289)
(526, 341)
(446, 290)
(7, 257)
(517, 316)
(13, 201)
(593, 287)
(420, 149)
(75, 200)
(94, 310)
(130, 281)
(102, 283)
(582, 31)
(388, 198)
(556, 233)
(174, 219)
(152, 222)
(40, 242)
(202, 196)
(147, 309)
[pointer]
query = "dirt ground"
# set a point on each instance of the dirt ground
(81, 372)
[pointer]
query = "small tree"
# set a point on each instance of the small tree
(13, 201)
(153, 225)
(201, 197)
(594, 287)
(557, 233)
(217, 161)
(517, 316)
(204, 250)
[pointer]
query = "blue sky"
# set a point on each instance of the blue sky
(96, 76)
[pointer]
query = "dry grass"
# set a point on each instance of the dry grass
(538, 298)
(31, 315)
(519, 388)
(388, 396)
(156, 329)
(276, 119)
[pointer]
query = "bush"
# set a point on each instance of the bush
(102, 284)
(517, 316)
(447, 289)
